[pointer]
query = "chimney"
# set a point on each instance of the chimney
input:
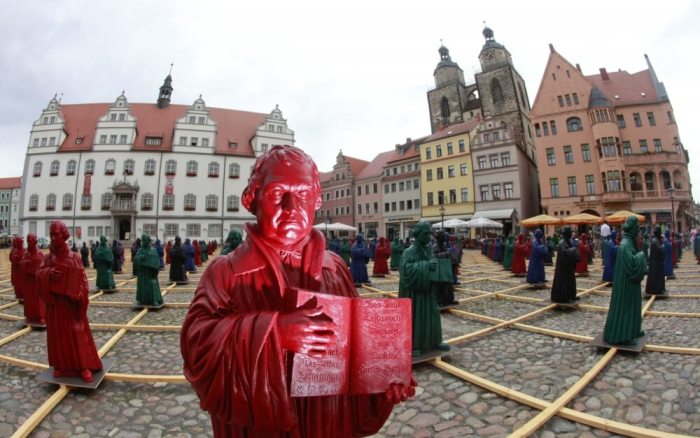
(578, 67)
(551, 47)
(408, 140)
(604, 74)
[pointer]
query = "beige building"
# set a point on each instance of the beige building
(608, 142)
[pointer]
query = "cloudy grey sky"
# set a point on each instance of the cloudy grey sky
(347, 75)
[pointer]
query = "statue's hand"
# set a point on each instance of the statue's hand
(398, 392)
(433, 265)
(55, 274)
(299, 332)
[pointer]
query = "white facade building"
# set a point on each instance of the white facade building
(122, 170)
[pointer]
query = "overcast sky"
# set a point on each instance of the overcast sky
(346, 75)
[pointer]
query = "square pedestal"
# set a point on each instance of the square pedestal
(637, 348)
(77, 382)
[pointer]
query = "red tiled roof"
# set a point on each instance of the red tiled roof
(628, 86)
(232, 126)
(356, 165)
(14, 182)
(453, 130)
(376, 166)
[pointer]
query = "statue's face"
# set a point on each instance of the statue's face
(31, 241)
(57, 238)
(423, 235)
(286, 202)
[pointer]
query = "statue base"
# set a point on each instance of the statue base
(77, 382)
(379, 275)
(428, 356)
(139, 306)
(183, 282)
(34, 325)
(571, 305)
(672, 277)
(662, 295)
(519, 275)
(636, 348)
(109, 291)
(583, 274)
(538, 285)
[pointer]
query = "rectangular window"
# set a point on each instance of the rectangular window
(375, 187)
(122, 117)
(572, 185)
(122, 139)
(441, 197)
(402, 205)
(366, 189)
(451, 171)
(545, 128)
(505, 158)
(194, 230)
(439, 173)
(150, 229)
(430, 198)
(508, 190)
(568, 99)
(438, 151)
(453, 196)
(669, 114)
(609, 147)
(643, 147)
(568, 155)
(551, 158)
(359, 190)
(112, 139)
(463, 169)
(359, 208)
(386, 207)
(538, 131)
(561, 100)
(85, 202)
(637, 120)
(484, 192)
(575, 96)
(91, 231)
(393, 187)
(416, 184)
(621, 121)
(103, 139)
(154, 141)
(461, 145)
(386, 188)
(554, 187)
(626, 148)
(183, 141)
(465, 194)
(553, 126)
(168, 202)
(375, 207)
(205, 142)
(496, 191)
(393, 206)
(657, 145)
(590, 185)
(586, 152)
(487, 137)
(493, 160)
(651, 118)
(449, 148)
(482, 163)
(401, 186)
(428, 154)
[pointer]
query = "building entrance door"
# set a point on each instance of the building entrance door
(124, 228)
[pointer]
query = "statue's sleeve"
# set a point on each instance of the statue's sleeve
(633, 262)
(415, 271)
(232, 355)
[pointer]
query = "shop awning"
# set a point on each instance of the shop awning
(504, 213)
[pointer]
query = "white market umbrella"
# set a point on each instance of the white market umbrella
(335, 226)
(451, 223)
(482, 222)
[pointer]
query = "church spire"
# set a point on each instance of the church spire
(166, 90)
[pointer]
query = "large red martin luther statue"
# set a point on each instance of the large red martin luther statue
(240, 332)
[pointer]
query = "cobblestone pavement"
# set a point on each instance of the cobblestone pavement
(535, 360)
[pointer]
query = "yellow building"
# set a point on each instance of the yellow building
(446, 173)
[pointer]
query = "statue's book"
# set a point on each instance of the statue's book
(70, 282)
(372, 350)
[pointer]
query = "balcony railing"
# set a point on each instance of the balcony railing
(650, 194)
(122, 205)
(616, 197)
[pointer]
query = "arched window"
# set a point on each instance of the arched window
(234, 170)
(68, 201)
(445, 110)
(149, 167)
(50, 202)
(649, 181)
(212, 202)
(37, 168)
(232, 203)
(169, 202)
(89, 167)
(147, 201)
(574, 124)
(55, 166)
(129, 167)
(110, 165)
(677, 180)
(170, 167)
(213, 169)
(636, 182)
(34, 203)
(190, 202)
(70, 167)
(665, 179)
(192, 168)
(496, 91)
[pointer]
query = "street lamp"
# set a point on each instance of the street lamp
(442, 216)
(671, 192)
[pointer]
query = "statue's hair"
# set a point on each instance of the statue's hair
(287, 155)
(61, 228)
(421, 225)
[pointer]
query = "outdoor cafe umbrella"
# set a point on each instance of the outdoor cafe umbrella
(483, 222)
(620, 216)
(583, 218)
(336, 226)
(451, 223)
(542, 219)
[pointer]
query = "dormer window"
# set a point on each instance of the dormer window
(79, 140)
(191, 120)
(233, 145)
(154, 141)
(122, 116)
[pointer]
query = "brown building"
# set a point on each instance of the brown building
(609, 142)
(337, 191)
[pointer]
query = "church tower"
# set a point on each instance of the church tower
(502, 91)
(166, 90)
(451, 97)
